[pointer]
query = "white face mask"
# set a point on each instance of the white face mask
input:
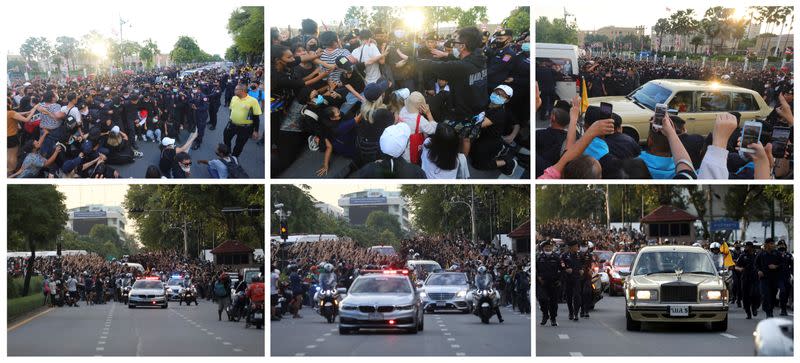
(186, 168)
(546, 252)
(456, 52)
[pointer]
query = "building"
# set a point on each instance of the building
(753, 30)
(770, 42)
(82, 219)
(357, 206)
(233, 252)
(330, 210)
(521, 239)
(611, 32)
(670, 223)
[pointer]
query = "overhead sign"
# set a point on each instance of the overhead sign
(89, 214)
(724, 225)
(370, 200)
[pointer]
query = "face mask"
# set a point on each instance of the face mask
(456, 52)
(174, 90)
(312, 47)
(253, 88)
(526, 47)
(185, 168)
(548, 252)
(497, 99)
(194, 91)
(84, 113)
(319, 100)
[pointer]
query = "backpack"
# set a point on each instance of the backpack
(219, 289)
(235, 170)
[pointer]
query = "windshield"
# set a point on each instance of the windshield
(147, 284)
(447, 279)
(669, 261)
(650, 94)
(426, 267)
(381, 284)
(248, 276)
(624, 260)
(175, 282)
(603, 255)
(383, 251)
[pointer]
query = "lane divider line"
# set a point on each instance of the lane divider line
(28, 320)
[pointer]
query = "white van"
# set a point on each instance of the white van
(136, 266)
(383, 250)
(565, 58)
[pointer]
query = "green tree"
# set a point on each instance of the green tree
(148, 52)
(715, 24)
(36, 216)
(186, 50)
(683, 23)
(37, 49)
(696, 41)
(663, 26)
(384, 17)
(246, 26)
(471, 16)
(357, 17)
(556, 31)
(383, 221)
(519, 20)
(66, 47)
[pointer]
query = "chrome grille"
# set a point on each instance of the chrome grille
(441, 295)
(679, 293)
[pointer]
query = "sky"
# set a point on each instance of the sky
(647, 12)
(162, 21)
(282, 16)
(330, 193)
(81, 195)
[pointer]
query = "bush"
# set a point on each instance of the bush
(15, 285)
(23, 305)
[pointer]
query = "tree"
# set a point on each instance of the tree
(556, 31)
(663, 26)
(519, 20)
(472, 16)
(696, 41)
(148, 52)
(121, 51)
(383, 17)
(246, 26)
(683, 23)
(714, 24)
(356, 17)
(383, 221)
(37, 49)
(66, 47)
(435, 15)
(36, 217)
(186, 50)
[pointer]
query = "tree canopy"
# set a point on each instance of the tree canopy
(246, 26)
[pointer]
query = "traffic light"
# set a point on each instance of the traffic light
(284, 230)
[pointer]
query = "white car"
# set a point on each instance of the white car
(148, 292)
(175, 286)
(774, 337)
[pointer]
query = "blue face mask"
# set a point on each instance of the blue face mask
(319, 100)
(526, 47)
(497, 99)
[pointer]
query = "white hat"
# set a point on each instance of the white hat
(167, 141)
(115, 130)
(508, 90)
(403, 93)
(26, 84)
(395, 139)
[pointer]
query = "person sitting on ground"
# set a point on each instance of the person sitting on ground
(393, 143)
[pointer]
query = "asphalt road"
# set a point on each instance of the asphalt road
(252, 158)
(604, 334)
(115, 330)
(445, 334)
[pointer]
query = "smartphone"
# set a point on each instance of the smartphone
(751, 133)
(780, 139)
(607, 109)
(658, 118)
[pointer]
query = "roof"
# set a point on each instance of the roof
(523, 231)
(231, 246)
(672, 248)
(692, 85)
(668, 213)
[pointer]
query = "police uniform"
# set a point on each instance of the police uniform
(572, 260)
(749, 282)
(500, 62)
(736, 277)
(200, 102)
(213, 107)
(787, 266)
(770, 282)
(586, 283)
(548, 274)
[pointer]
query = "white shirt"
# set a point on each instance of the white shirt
(74, 111)
(431, 170)
(426, 127)
(273, 287)
(365, 53)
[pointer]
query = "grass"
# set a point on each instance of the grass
(23, 305)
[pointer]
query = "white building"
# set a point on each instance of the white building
(330, 210)
(357, 206)
(82, 219)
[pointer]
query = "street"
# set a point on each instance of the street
(252, 158)
(604, 334)
(445, 334)
(115, 330)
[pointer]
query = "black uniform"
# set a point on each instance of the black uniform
(572, 260)
(499, 65)
(787, 266)
(548, 275)
(770, 282)
(214, 97)
(749, 283)
(586, 282)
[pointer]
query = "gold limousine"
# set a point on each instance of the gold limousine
(675, 284)
(697, 103)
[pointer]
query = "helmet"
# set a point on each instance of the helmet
(482, 269)
(328, 267)
(714, 245)
(411, 251)
(590, 244)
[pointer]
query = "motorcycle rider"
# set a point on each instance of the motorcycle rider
(327, 281)
(255, 292)
(483, 281)
(72, 290)
(274, 294)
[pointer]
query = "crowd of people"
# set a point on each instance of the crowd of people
(296, 267)
(401, 106)
(84, 127)
(756, 275)
(605, 150)
(93, 279)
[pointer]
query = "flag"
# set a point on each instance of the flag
(727, 260)
(584, 96)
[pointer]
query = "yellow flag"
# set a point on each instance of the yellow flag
(727, 260)
(584, 96)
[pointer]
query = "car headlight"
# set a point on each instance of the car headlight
(647, 295)
(711, 295)
(348, 307)
(461, 294)
(404, 307)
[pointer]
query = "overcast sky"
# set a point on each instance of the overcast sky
(330, 193)
(607, 12)
(283, 14)
(163, 21)
(82, 195)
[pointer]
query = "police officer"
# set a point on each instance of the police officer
(214, 97)
(586, 259)
(500, 59)
(573, 271)
(230, 87)
(768, 267)
(736, 288)
(787, 266)
(199, 104)
(548, 275)
(745, 266)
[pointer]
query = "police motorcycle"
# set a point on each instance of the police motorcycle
(485, 299)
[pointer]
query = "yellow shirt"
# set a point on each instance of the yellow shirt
(240, 109)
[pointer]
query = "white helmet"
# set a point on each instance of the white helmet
(482, 269)
(714, 245)
(590, 244)
(328, 267)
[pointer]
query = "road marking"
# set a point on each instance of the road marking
(21, 323)
(209, 333)
(451, 339)
(299, 354)
(461, 353)
(100, 348)
(237, 350)
(455, 346)
(326, 334)
(448, 333)
(575, 354)
(204, 329)
(226, 343)
(730, 336)
(218, 338)
(334, 329)
(310, 346)
(320, 339)
(101, 342)
(563, 336)
(444, 329)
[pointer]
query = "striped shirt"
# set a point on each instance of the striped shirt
(330, 58)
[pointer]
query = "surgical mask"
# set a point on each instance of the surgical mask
(497, 99)
(319, 100)
(312, 47)
(546, 252)
(456, 52)
(526, 47)
(174, 90)
(84, 113)
(185, 168)
(194, 91)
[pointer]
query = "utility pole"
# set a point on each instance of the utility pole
(472, 212)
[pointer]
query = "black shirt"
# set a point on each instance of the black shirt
(622, 146)
(468, 82)
(549, 142)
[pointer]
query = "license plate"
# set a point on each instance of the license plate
(678, 311)
(375, 316)
(258, 316)
(328, 304)
(440, 304)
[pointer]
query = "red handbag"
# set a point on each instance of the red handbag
(415, 144)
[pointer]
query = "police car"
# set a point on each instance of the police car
(381, 299)
(175, 286)
(148, 292)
